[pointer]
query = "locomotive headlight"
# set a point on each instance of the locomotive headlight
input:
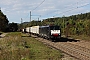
(59, 33)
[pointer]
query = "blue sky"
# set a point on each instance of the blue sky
(17, 9)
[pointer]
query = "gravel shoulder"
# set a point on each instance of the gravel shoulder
(3, 35)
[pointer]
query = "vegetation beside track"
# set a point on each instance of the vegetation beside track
(18, 46)
(81, 37)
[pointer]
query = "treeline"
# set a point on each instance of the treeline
(3, 21)
(72, 25)
(75, 24)
(5, 26)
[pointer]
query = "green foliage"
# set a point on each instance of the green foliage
(87, 27)
(18, 47)
(12, 27)
(75, 24)
(3, 21)
(72, 25)
(35, 23)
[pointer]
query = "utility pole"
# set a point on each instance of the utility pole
(21, 23)
(30, 21)
(0, 8)
(30, 16)
(21, 20)
(38, 19)
(63, 24)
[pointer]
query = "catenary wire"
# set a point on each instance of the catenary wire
(72, 9)
(38, 5)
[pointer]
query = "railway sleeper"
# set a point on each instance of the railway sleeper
(73, 50)
(68, 50)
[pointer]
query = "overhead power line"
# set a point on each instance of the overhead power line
(62, 8)
(73, 9)
(36, 8)
(38, 5)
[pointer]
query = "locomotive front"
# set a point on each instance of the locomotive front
(55, 32)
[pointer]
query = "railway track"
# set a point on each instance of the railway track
(76, 51)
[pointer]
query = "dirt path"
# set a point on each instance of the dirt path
(3, 35)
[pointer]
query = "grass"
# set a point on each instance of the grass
(1, 32)
(18, 46)
(81, 37)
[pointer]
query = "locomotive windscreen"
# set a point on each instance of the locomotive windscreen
(54, 28)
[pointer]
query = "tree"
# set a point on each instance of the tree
(3, 21)
(34, 23)
(12, 27)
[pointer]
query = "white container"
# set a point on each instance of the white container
(28, 29)
(35, 29)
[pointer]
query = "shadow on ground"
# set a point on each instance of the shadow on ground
(30, 36)
(25, 36)
(62, 39)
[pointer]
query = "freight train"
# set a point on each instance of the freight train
(48, 32)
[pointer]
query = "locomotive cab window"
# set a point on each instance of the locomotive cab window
(54, 27)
